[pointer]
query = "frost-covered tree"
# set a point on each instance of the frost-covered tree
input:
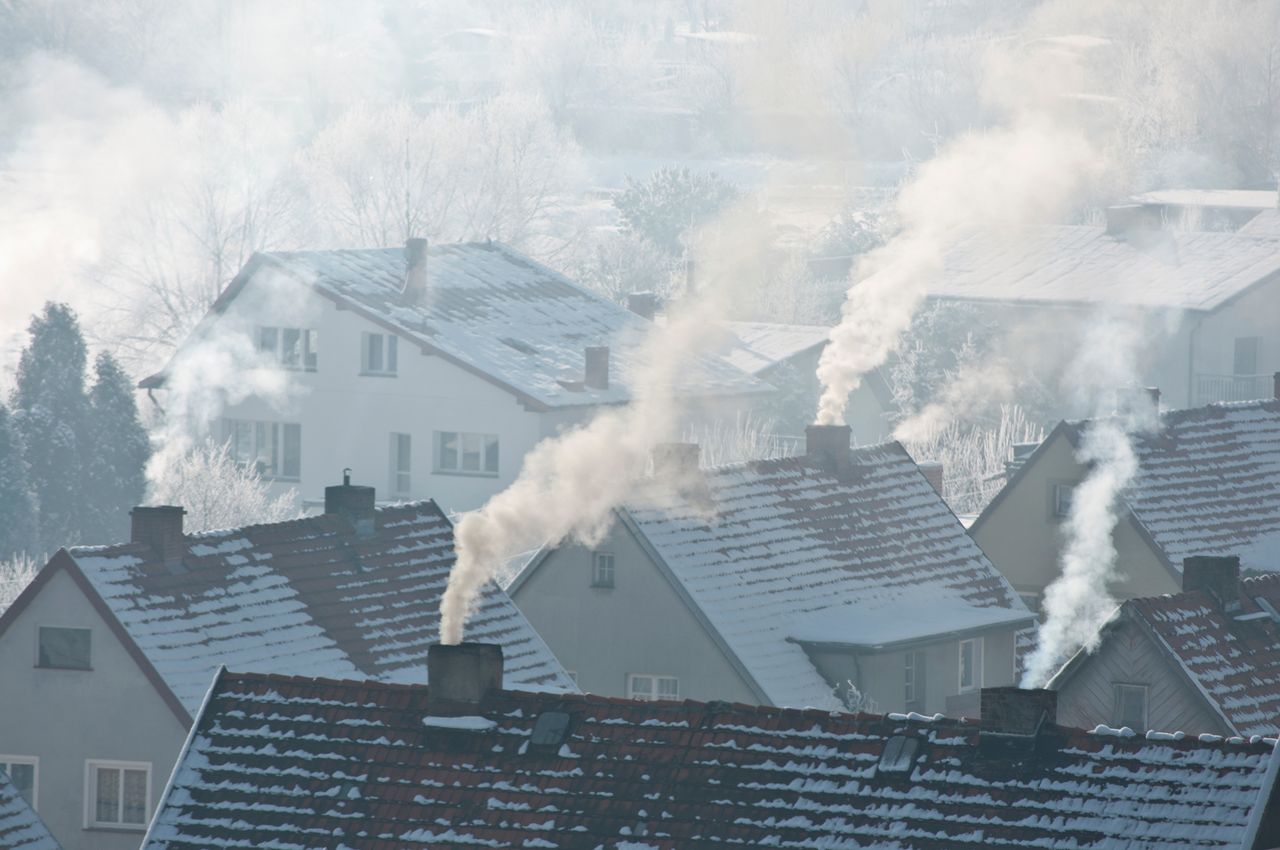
(670, 202)
(117, 457)
(16, 572)
(51, 412)
(18, 516)
(217, 492)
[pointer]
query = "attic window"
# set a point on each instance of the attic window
(550, 730)
(899, 754)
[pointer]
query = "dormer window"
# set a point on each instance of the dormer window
(292, 348)
(379, 354)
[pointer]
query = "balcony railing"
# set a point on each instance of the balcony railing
(1210, 388)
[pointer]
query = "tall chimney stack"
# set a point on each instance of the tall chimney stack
(827, 446)
(597, 367)
(160, 528)
(1017, 711)
(354, 503)
(415, 278)
(1216, 575)
(460, 676)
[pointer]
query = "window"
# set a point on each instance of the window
(467, 454)
(899, 754)
(1245, 361)
(970, 665)
(648, 688)
(602, 569)
(22, 772)
(65, 649)
(400, 461)
(913, 692)
(292, 348)
(1131, 707)
(379, 354)
(273, 448)
(1062, 499)
(116, 794)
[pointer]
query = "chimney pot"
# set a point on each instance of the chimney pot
(643, 304)
(460, 676)
(415, 279)
(1216, 575)
(352, 502)
(933, 470)
(675, 459)
(160, 527)
(597, 367)
(827, 446)
(1017, 711)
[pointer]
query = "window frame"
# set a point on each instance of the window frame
(91, 768)
(598, 575)
(7, 761)
(914, 665)
(1056, 489)
(41, 626)
(307, 347)
(388, 354)
(655, 694)
(977, 665)
(401, 463)
(1116, 702)
(265, 435)
(487, 441)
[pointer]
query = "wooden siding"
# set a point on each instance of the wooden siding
(1128, 656)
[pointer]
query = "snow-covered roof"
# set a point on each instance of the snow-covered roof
(1079, 264)
(1265, 225)
(910, 618)
(20, 827)
(1242, 199)
(276, 761)
(757, 346)
(1209, 482)
(793, 544)
(308, 596)
(498, 314)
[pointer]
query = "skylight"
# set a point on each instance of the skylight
(899, 754)
(550, 730)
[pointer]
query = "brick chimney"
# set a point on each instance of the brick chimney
(460, 676)
(415, 278)
(675, 460)
(1137, 400)
(596, 376)
(160, 528)
(352, 502)
(827, 447)
(933, 469)
(1216, 575)
(1017, 711)
(643, 304)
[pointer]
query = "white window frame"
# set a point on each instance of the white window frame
(651, 695)
(7, 761)
(976, 684)
(1146, 704)
(483, 471)
(596, 558)
(308, 345)
(911, 678)
(269, 437)
(91, 767)
(1055, 498)
(79, 628)
(401, 467)
(388, 354)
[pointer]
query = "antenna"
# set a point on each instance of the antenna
(408, 200)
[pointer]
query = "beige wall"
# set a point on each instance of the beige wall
(1128, 657)
(639, 626)
(65, 717)
(1024, 539)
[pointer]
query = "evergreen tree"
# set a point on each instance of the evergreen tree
(18, 529)
(50, 411)
(118, 452)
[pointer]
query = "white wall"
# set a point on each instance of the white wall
(1254, 314)
(65, 717)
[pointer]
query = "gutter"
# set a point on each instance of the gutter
(835, 645)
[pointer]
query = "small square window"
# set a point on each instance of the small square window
(1131, 707)
(64, 649)
(117, 794)
(466, 453)
(647, 687)
(602, 569)
(22, 772)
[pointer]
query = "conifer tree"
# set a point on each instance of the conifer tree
(118, 451)
(18, 528)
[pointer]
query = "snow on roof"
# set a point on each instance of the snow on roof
(1209, 482)
(791, 542)
(277, 761)
(1233, 659)
(515, 321)
(904, 618)
(1078, 264)
(1264, 225)
(1243, 199)
(309, 597)
(757, 346)
(20, 827)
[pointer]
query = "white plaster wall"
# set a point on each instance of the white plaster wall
(1256, 313)
(65, 717)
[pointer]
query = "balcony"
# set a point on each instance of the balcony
(1210, 388)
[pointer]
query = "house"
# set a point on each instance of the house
(1209, 209)
(432, 370)
(837, 578)
(1206, 660)
(276, 761)
(108, 654)
(20, 827)
(1208, 483)
(786, 356)
(1204, 301)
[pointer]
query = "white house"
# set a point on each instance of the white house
(108, 653)
(431, 376)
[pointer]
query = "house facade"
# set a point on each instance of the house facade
(1203, 661)
(1207, 484)
(429, 372)
(838, 578)
(463, 762)
(108, 654)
